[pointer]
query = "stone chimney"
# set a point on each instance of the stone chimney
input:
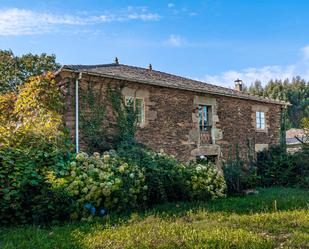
(150, 67)
(238, 85)
(116, 60)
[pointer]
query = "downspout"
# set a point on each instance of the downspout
(77, 113)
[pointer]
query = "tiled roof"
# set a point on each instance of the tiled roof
(152, 77)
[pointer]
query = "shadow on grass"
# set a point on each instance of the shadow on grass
(267, 200)
(70, 235)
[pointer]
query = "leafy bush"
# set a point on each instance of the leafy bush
(26, 193)
(238, 174)
(163, 173)
(105, 182)
(33, 117)
(277, 167)
(168, 180)
(204, 181)
(33, 142)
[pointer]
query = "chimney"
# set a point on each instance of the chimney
(150, 67)
(238, 85)
(116, 60)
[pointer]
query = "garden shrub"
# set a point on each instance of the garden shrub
(169, 180)
(204, 181)
(301, 159)
(164, 175)
(33, 142)
(277, 167)
(26, 193)
(239, 175)
(105, 182)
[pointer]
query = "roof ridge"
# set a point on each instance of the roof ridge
(219, 89)
(152, 70)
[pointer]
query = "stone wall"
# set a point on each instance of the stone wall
(171, 119)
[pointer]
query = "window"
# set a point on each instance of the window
(138, 105)
(260, 120)
(204, 113)
(206, 159)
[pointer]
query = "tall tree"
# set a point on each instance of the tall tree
(296, 91)
(16, 70)
(256, 88)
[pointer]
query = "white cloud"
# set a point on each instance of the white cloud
(264, 74)
(249, 75)
(171, 5)
(25, 22)
(175, 41)
(144, 17)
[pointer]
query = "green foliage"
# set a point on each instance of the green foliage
(26, 194)
(105, 182)
(126, 119)
(234, 222)
(163, 173)
(305, 126)
(33, 142)
(239, 175)
(16, 70)
(295, 91)
(204, 181)
(168, 180)
(277, 167)
(92, 116)
(33, 117)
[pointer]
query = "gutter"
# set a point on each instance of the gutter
(77, 112)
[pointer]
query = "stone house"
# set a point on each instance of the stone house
(184, 117)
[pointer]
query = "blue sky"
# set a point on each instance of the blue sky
(214, 41)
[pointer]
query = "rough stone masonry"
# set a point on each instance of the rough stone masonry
(185, 118)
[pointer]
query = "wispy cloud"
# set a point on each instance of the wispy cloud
(264, 74)
(170, 5)
(175, 41)
(26, 22)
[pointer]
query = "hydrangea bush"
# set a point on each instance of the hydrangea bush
(105, 182)
(204, 181)
(169, 180)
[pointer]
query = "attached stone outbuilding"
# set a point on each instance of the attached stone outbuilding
(184, 117)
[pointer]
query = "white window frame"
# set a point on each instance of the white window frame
(142, 123)
(260, 120)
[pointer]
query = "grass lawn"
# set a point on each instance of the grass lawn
(275, 218)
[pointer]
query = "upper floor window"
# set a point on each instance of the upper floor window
(204, 113)
(138, 105)
(260, 120)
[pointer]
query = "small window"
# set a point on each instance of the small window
(206, 159)
(138, 105)
(260, 120)
(204, 113)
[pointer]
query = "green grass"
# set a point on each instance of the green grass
(275, 218)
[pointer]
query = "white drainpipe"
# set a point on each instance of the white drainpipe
(77, 113)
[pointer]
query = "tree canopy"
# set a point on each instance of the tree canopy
(296, 91)
(16, 70)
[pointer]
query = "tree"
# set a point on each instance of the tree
(16, 70)
(295, 91)
(33, 114)
(256, 88)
